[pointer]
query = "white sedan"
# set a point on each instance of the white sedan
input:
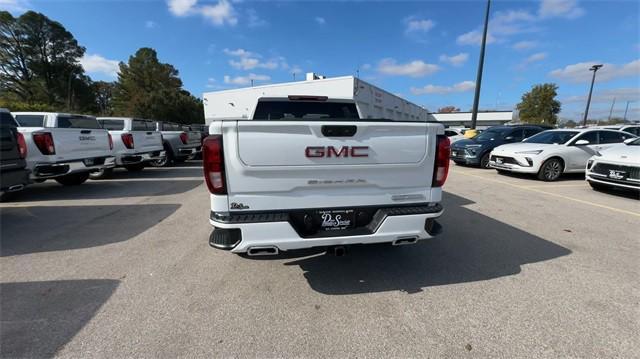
(551, 153)
(619, 167)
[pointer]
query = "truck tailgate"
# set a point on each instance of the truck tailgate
(77, 143)
(147, 141)
(290, 164)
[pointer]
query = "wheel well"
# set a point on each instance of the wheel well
(564, 165)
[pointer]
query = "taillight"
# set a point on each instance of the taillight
(22, 146)
(44, 142)
(441, 169)
(110, 141)
(127, 139)
(213, 164)
(184, 138)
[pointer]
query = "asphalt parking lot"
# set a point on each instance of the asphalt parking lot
(121, 268)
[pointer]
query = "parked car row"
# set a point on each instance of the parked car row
(609, 157)
(69, 148)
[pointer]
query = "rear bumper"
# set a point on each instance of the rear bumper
(135, 158)
(57, 169)
(189, 151)
(278, 232)
(13, 180)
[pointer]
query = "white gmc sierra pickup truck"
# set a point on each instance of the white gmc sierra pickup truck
(64, 147)
(135, 143)
(321, 163)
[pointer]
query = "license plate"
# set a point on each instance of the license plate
(618, 175)
(335, 219)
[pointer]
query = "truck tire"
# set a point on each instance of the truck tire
(166, 161)
(136, 167)
(101, 174)
(73, 179)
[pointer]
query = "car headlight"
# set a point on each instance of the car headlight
(533, 152)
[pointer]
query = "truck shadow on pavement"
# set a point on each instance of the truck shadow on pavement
(473, 247)
(74, 227)
(38, 318)
(105, 189)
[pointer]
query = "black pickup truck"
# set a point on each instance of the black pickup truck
(13, 151)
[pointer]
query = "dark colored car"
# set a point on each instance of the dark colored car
(475, 151)
(13, 151)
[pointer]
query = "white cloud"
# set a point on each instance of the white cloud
(253, 20)
(320, 20)
(248, 60)
(504, 24)
(525, 45)
(474, 38)
(149, 24)
(99, 64)
(455, 60)
(415, 68)
(219, 14)
(414, 24)
(181, 7)
(463, 86)
(245, 80)
(238, 52)
(249, 63)
(579, 73)
(535, 57)
(16, 6)
(560, 8)
(607, 96)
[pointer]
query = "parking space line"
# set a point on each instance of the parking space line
(554, 194)
(556, 185)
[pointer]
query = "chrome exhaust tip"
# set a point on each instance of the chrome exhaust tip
(401, 241)
(262, 251)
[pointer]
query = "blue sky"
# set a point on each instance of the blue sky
(425, 51)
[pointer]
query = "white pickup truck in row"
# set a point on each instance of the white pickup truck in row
(135, 143)
(321, 163)
(64, 147)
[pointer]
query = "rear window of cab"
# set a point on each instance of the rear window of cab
(77, 121)
(30, 120)
(113, 125)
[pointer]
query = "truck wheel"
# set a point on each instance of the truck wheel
(101, 174)
(550, 170)
(484, 161)
(135, 168)
(73, 179)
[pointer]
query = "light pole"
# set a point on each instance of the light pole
(595, 69)
(611, 110)
(626, 109)
(476, 98)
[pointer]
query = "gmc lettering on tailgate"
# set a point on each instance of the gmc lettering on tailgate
(330, 151)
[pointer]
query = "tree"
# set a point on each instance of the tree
(539, 105)
(570, 124)
(150, 89)
(39, 60)
(448, 109)
(103, 94)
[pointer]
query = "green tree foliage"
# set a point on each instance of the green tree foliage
(39, 62)
(150, 89)
(539, 105)
(103, 94)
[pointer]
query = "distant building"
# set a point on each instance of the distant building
(485, 119)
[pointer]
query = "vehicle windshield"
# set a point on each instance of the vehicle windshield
(635, 142)
(552, 137)
(492, 134)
